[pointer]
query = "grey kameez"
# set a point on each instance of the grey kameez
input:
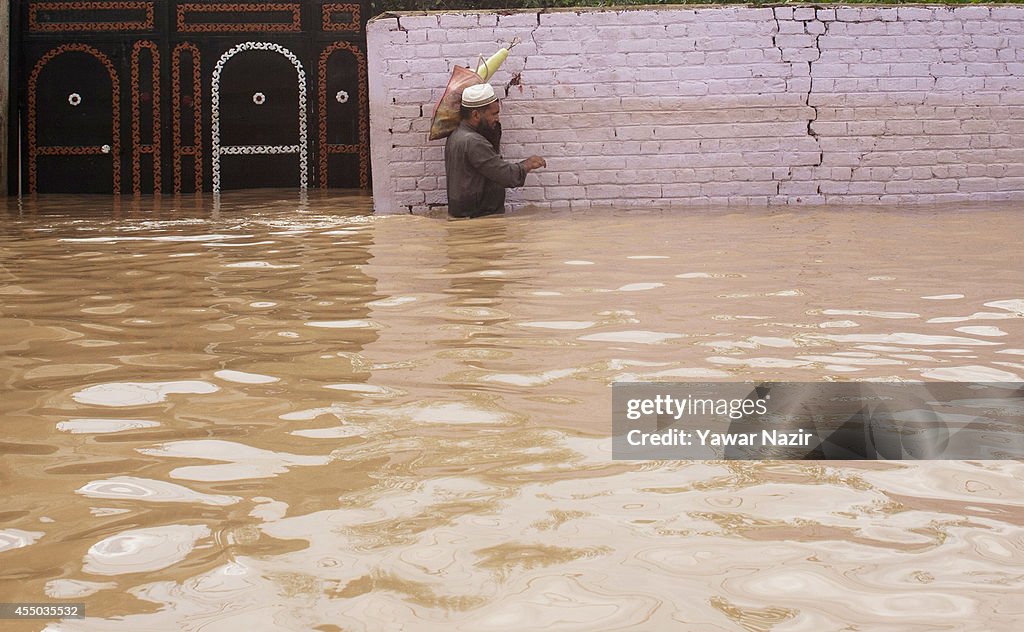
(477, 175)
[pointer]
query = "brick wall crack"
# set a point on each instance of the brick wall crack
(517, 77)
(778, 29)
(810, 91)
(782, 94)
(775, 43)
(808, 101)
(533, 35)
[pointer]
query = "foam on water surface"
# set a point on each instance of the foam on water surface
(120, 394)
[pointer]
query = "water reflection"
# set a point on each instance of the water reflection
(480, 256)
(290, 411)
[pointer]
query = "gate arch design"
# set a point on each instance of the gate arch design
(35, 150)
(217, 149)
(327, 148)
(150, 129)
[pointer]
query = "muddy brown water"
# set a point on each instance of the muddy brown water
(283, 414)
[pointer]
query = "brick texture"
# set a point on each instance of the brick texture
(731, 105)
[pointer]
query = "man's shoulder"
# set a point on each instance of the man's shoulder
(466, 135)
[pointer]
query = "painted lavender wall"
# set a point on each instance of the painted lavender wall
(727, 105)
(5, 77)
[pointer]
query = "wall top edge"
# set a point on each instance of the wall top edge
(703, 6)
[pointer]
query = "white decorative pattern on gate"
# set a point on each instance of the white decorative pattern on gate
(301, 148)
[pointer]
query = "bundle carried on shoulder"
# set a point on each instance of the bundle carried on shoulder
(446, 112)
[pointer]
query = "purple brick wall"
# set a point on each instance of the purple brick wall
(707, 106)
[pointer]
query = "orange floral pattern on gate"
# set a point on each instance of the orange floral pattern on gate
(34, 150)
(327, 149)
(138, 148)
(328, 17)
(34, 25)
(195, 149)
(240, 27)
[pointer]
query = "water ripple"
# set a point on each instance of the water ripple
(139, 393)
(143, 550)
(132, 488)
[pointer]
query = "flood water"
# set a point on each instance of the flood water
(283, 414)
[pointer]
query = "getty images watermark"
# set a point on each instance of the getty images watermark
(828, 420)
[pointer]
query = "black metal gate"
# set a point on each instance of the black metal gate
(143, 96)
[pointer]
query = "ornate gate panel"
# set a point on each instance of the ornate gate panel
(143, 96)
(187, 118)
(344, 141)
(73, 135)
(270, 123)
(146, 123)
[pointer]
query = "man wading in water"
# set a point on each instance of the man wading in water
(477, 175)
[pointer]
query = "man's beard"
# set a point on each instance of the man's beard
(491, 132)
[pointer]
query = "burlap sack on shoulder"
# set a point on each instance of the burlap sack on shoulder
(446, 112)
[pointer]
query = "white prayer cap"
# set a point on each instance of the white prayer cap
(478, 96)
